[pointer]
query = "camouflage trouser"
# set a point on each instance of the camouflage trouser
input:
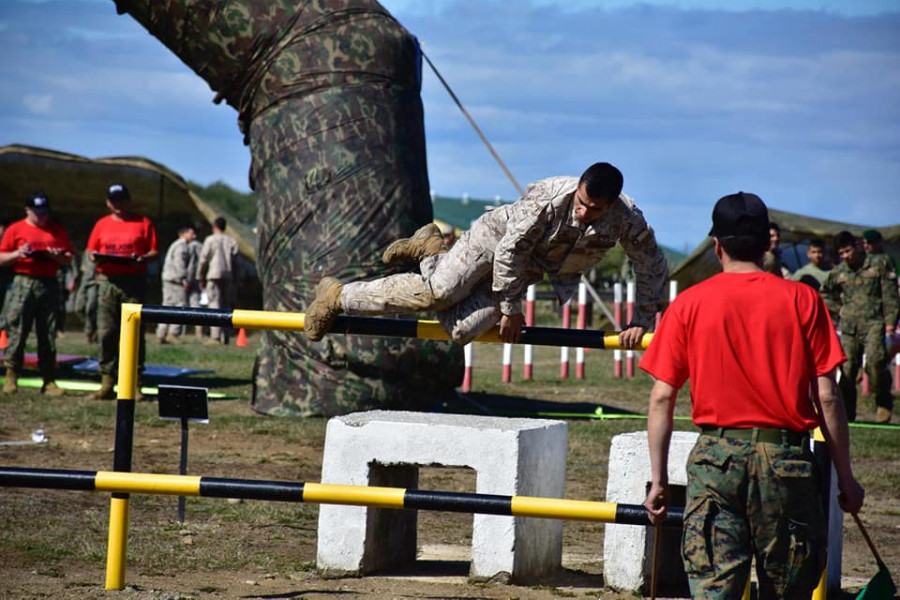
(112, 293)
(193, 300)
(221, 296)
(32, 300)
(748, 500)
(865, 338)
(173, 294)
(457, 285)
(89, 310)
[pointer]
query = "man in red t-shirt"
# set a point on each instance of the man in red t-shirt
(36, 247)
(120, 244)
(760, 353)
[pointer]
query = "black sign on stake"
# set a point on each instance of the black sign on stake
(184, 404)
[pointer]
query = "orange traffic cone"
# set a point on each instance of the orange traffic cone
(4, 341)
(241, 338)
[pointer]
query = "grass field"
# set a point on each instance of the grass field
(53, 544)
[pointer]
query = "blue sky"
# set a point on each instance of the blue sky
(796, 100)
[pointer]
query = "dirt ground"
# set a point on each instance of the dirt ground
(53, 543)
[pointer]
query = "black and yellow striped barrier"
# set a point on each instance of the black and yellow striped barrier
(383, 327)
(134, 315)
(326, 493)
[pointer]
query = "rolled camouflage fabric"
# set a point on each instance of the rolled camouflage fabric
(328, 99)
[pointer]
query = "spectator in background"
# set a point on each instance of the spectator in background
(772, 262)
(217, 272)
(193, 294)
(814, 272)
(86, 298)
(6, 276)
(861, 294)
(873, 244)
(36, 247)
(176, 281)
(120, 244)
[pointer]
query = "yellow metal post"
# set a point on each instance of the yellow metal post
(129, 340)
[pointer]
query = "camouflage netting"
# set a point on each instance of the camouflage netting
(327, 93)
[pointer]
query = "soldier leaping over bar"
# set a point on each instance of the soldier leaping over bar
(562, 226)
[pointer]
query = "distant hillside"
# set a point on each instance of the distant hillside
(228, 200)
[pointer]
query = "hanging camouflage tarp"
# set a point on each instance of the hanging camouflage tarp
(327, 93)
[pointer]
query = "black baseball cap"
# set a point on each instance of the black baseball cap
(873, 236)
(117, 192)
(38, 203)
(740, 214)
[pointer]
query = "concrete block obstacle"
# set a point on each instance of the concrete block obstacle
(525, 457)
(628, 550)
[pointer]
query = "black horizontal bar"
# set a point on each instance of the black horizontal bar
(210, 317)
(59, 479)
(636, 514)
(552, 336)
(217, 487)
(486, 504)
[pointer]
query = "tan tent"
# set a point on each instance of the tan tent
(77, 187)
(796, 230)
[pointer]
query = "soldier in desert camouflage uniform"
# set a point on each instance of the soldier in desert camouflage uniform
(861, 293)
(561, 227)
(328, 98)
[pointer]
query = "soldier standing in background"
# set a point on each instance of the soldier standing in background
(86, 298)
(176, 282)
(36, 246)
(193, 292)
(861, 294)
(217, 272)
(814, 272)
(121, 244)
(873, 243)
(772, 261)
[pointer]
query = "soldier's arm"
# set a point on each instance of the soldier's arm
(831, 294)
(890, 299)
(651, 271)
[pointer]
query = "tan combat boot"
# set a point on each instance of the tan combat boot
(324, 309)
(11, 385)
(51, 389)
(883, 415)
(426, 241)
(106, 392)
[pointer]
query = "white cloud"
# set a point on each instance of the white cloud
(38, 104)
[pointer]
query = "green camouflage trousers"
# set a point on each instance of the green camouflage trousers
(865, 338)
(113, 292)
(748, 501)
(32, 300)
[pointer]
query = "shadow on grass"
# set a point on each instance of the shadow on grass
(499, 405)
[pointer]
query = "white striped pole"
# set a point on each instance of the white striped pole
(564, 351)
(897, 373)
(467, 376)
(507, 363)
(528, 362)
(629, 309)
(581, 323)
(865, 378)
(617, 313)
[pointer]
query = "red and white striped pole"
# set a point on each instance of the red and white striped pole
(564, 351)
(629, 309)
(467, 376)
(617, 314)
(865, 378)
(528, 363)
(507, 363)
(897, 373)
(581, 324)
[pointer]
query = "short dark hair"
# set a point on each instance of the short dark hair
(186, 227)
(744, 248)
(220, 223)
(844, 239)
(775, 226)
(817, 243)
(602, 180)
